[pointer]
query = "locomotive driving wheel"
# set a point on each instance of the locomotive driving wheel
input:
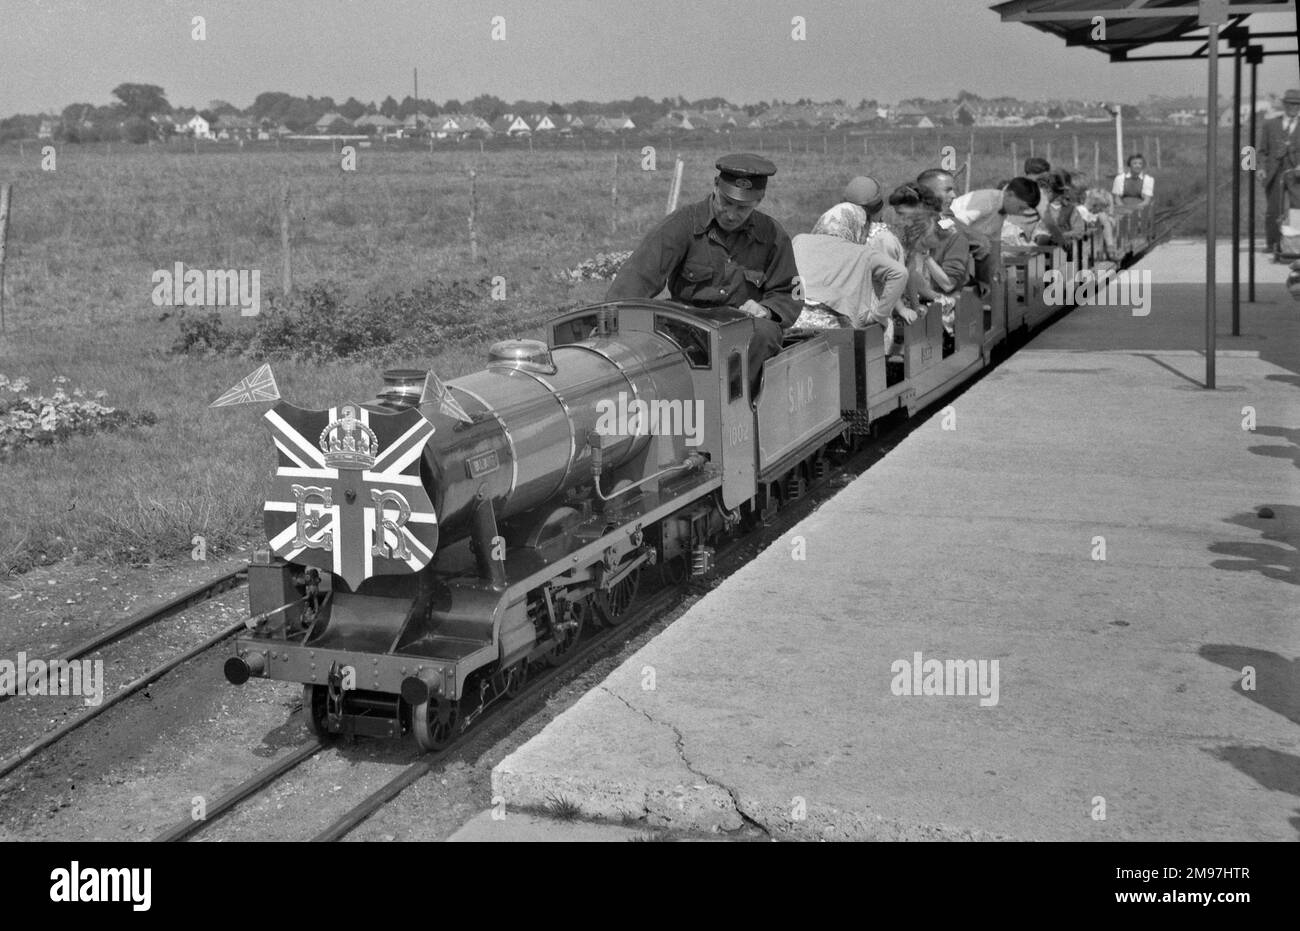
(612, 604)
(435, 723)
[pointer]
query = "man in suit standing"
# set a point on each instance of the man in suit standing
(1280, 148)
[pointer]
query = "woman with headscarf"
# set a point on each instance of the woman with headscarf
(846, 274)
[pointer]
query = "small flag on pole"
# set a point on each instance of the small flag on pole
(435, 390)
(259, 386)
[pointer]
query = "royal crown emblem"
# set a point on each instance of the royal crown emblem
(348, 443)
(743, 183)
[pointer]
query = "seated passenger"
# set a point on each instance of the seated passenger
(960, 243)
(1097, 208)
(845, 281)
(918, 234)
(867, 193)
(1061, 224)
(915, 200)
(1135, 188)
(1037, 169)
(985, 210)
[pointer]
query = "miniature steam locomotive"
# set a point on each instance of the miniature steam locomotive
(426, 549)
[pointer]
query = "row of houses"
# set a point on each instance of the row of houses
(459, 125)
(925, 115)
(446, 126)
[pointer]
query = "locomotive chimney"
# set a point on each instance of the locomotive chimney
(403, 387)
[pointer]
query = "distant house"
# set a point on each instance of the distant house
(474, 125)
(567, 123)
(166, 125)
(542, 123)
(267, 130)
(510, 125)
(417, 124)
(332, 122)
(199, 128)
(910, 116)
(912, 120)
(673, 121)
(376, 123)
(234, 126)
(614, 124)
(46, 130)
(446, 127)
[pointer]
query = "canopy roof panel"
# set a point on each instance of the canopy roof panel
(1130, 24)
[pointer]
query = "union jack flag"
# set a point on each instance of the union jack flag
(347, 496)
(257, 386)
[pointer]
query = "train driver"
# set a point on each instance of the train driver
(722, 252)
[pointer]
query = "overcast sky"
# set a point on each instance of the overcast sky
(56, 52)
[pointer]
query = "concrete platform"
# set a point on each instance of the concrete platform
(1119, 712)
(525, 827)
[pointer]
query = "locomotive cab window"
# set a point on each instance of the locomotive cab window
(574, 330)
(735, 379)
(692, 340)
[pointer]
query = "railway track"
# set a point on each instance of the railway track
(640, 616)
(185, 600)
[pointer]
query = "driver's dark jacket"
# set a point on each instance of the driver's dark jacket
(705, 266)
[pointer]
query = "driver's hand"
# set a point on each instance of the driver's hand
(755, 309)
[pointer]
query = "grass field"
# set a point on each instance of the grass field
(85, 239)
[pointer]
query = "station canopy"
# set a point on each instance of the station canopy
(1136, 24)
(1130, 24)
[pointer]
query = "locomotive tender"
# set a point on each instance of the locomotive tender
(445, 545)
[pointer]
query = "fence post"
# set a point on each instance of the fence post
(613, 198)
(675, 191)
(970, 162)
(1158, 166)
(1096, 163)
(1048, 155)
(473, 211)
(6, 191)
(1075, 137)
(1015, 160)
(286, 256)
